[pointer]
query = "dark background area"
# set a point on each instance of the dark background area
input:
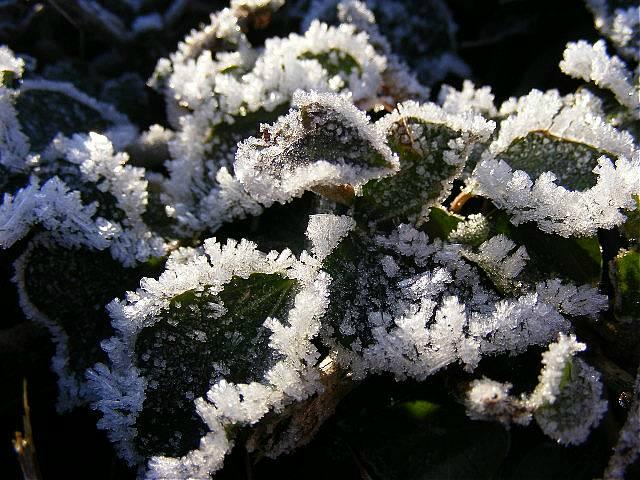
(383, 429)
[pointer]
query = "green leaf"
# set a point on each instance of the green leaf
(625, 276)
(540, 152)
(441, 223)
(576, 258)
(424, 178)
(326, 142)
(188, 349)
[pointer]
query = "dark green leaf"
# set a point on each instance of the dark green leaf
(188, 349)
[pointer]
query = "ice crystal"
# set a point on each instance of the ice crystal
(205, 276)
(326, 142)
(115, 189)
(591, 63)
(568, 148)
(567, 402)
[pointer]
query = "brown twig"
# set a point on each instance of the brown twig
(23, 443)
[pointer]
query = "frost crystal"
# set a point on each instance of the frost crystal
(591, 63)
(326, 142)
(207, 273)
(326, 231)
(566, 143)
(470, 98)
(567, 402)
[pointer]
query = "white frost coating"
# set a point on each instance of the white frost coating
(260, 163)
(622, 25)
(469, 99)
(226, 202)
(555, 208)
(625, 30)
(566, 404)
(592, 63)
(468, 122)
(571, 300)
(572, 118)
(627, 450)
(282, 68)
(494, 256)
(100, 165)
(14, 144)
(326, 231)
(578, 407)
(428, 326)
(71, 392)
(472, 230)
(10, 63)
(554, 360)
(54, 207)
(69, 221)
(121, 133)
(120, 387)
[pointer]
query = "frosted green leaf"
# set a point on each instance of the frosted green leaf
(221, 338)
(540, 152)
(71, 305)
(190, 347)
(433, 146)
(572, 171)
(327, 141)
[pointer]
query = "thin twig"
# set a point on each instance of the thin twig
(23, 443)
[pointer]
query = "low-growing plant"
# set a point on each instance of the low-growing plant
(389, 234)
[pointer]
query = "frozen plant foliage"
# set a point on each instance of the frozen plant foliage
(563, 143)
(436, 310)
(99, 164)
(472, 231)
(57, 209)
(73, 222)
(470, 98)
(567, 402)
(326, 231)
(219, 90)
(591, 63)
(325, 142)
(432, 242)
(123, 387)
(433, 146)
